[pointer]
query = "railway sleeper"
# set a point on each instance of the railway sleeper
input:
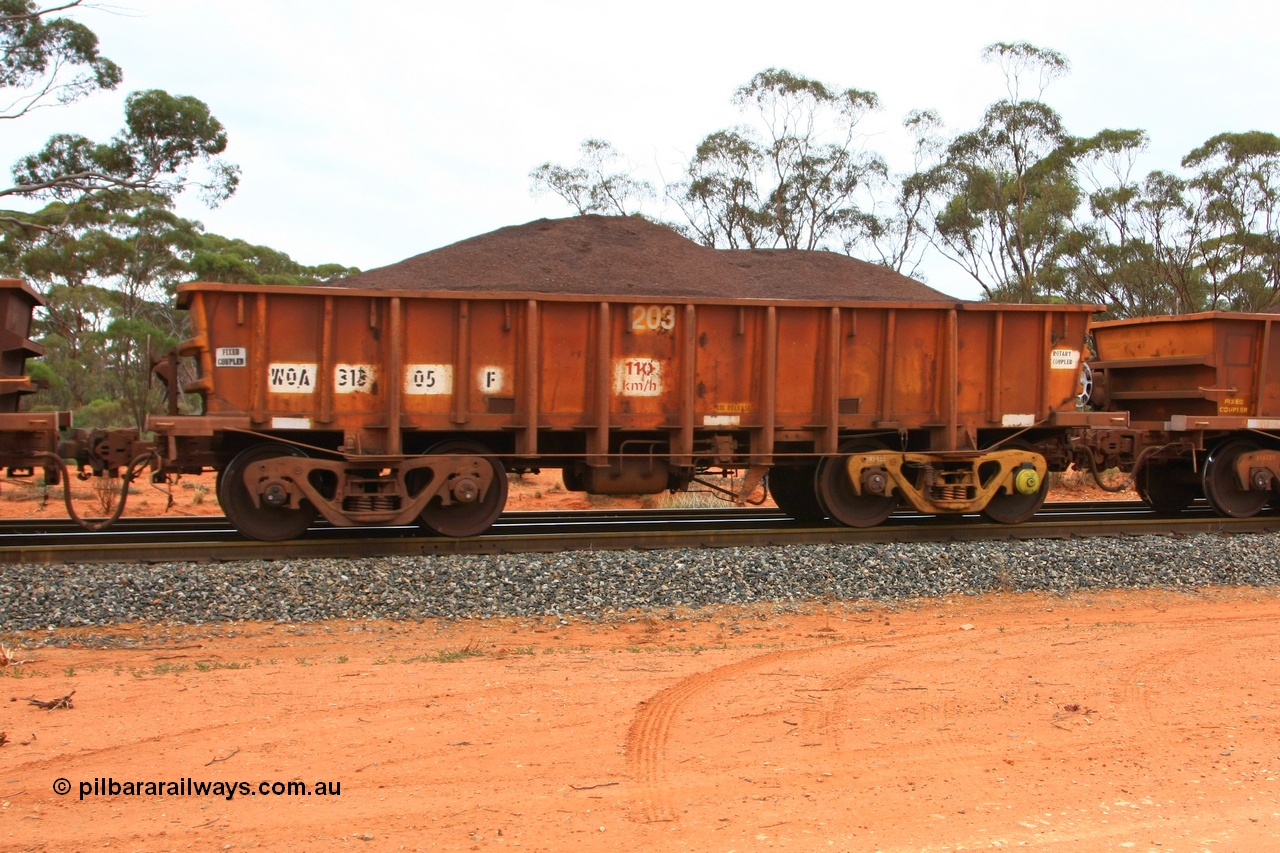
(951, 482)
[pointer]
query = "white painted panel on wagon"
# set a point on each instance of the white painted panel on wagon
(231, 357)
(1064, 359)
(637, 377)
(1018, 420)
(288, 378)
(721, 420)
(492, 380)
(354, 378)
(291, 423)
(428, 379)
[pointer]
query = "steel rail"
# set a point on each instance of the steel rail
(544, 532)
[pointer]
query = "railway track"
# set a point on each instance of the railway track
(211, 538)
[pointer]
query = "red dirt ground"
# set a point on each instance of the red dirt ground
(1109, 721)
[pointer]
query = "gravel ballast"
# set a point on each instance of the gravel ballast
(601, 584)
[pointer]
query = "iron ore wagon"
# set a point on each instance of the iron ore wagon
(1202, 392)
(390, 405)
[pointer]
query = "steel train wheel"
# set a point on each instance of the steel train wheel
(264, 522)
(1168, 488)
(1220, 486)
(792, 489)
(1015, 508)
(458, 519)
(836, 495)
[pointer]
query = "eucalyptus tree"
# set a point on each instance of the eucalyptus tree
(216, 258)
(794, 179)
(894, 232)
(1237, 176)
(1007, 190)
(46, 59)
(168, 142)
(720, 196)
(601, 182)
(1136, 250)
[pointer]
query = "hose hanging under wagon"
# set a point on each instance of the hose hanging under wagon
(96, 524)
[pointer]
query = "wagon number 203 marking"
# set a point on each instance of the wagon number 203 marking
(653, 318)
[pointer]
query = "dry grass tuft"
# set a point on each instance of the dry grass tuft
(8, 657)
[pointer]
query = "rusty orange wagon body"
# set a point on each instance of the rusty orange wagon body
(383, 406)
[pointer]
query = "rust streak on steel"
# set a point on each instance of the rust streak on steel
(598, 449)
(769, 404)
(259, 361)
(831, 385)
(532, 371)
(993, 371)
(394, 380)
(462, 364)
(324, 382)
(1264, 358)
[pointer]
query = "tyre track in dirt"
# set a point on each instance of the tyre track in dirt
(653, 724)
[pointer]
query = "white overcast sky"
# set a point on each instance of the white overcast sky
(370, 132)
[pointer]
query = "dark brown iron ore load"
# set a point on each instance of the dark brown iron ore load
(615, 255)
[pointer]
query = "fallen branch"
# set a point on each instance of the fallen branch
(52, 704)
(223, 758)
(589, 787)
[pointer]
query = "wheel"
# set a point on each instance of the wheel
(792, 490)
(1168, 488)
(571, 477)
(1086, 385)
(470, 518)
(264, 522)
(836, 495)
(1017, 507)
(1220, 486)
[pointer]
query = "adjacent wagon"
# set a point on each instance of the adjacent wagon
(1202, 392)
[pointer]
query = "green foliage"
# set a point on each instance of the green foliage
(46, 58)
(216, 258)
(1237, 176)
(165, 139)
(168, 143)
